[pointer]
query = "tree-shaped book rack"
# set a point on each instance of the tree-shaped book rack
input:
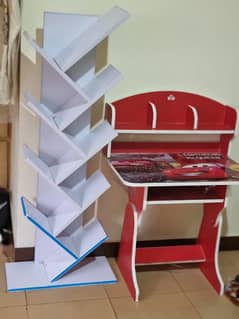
(70, 87)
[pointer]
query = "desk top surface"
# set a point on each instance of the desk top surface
(174, 169)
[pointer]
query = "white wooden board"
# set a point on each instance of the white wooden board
(91, 37)
(94, 89)
(97, 138)
(79, 144)
(67, 84)
(78, 242)
(32, 276)
(56, 173)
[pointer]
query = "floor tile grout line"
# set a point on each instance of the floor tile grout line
(27, 311)
(175, 279)
(26, 297)
(178, 283)
(111, 304)
(13, 306)
(155, 293)
(65, 301)
(194, 307)
(185, 295)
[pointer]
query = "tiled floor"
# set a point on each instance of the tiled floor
(167, 294)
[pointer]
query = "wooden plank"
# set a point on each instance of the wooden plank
(95, 89)
(209, 239)
(89, 39)
(90, 236)
(32, 276)
(170, 255)
(69, 85)
(176, 183)
(3, 164)
(4, 130)
(126, 257)
(185, 132)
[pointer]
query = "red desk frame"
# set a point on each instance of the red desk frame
(194, 124)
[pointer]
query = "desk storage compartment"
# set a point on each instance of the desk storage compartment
(167, 195)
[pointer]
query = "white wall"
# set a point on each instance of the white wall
(187, 45)
(167, 44)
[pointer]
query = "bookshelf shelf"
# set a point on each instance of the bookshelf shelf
(88, 235)
(89, 39)
(102, 83)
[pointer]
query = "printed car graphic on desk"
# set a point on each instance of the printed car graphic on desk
(195, 172)
(160, 167)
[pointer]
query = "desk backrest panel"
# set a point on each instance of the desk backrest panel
(171, 112)
(174, 111)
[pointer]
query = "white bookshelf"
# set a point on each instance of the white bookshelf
(70, 87)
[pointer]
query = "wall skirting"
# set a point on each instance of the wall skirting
(111, 249)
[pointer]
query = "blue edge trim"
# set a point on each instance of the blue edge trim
(65, 248)
(94, 283)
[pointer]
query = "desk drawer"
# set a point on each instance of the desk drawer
(186, 194)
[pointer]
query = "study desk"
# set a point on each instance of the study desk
(195, 126)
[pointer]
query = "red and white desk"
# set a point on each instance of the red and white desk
(184, 123)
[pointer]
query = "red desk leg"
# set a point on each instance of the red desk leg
(137, 196)
(209, 238)
(127, 251)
